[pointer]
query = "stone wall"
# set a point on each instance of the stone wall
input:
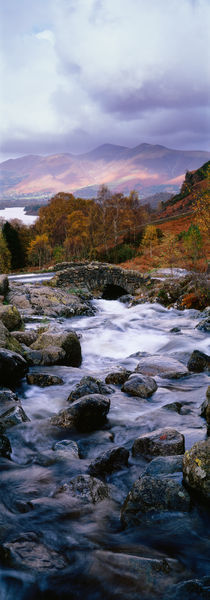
(96, 276)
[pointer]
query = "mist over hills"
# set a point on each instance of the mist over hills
(149, 169)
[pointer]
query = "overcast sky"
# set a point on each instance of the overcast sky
(79, 73)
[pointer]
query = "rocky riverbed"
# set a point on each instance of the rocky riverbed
(104, 447)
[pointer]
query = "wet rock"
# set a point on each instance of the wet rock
(118, 377)
(173, 406)
(126, 298)
(68, 341)
(49, 357)
(204, 325)
(43, 379)
(164, 465)
(46, 300)
(162, 442)
(196, 468)
(12, 416)
(10, 316)
(194, 589)
(29, 551)
(4, 285)
(86, 414)
(175, 330)
(5, 447)
(86, 488)
(205, 409)
(66, 449)
(7, 340)
(7, 396)
(136, 576)
(110, 461)
(140, 385)
(12, 367)
(88, 385)
(198, 362)
(150, 494)
(161, 365)
(27, 337)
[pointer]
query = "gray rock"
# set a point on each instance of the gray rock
(136, 576)
(88, 385)
(12, 367)
(66, 449)
(68, 341)
(10, 316)
(198, 362)
(140, 386)
(86, 488)
(193, 589)
(173, 406)
(161, 365)
(150, 494)
(29, 551)
(54, 355)
(27, 337)
(164, 465)
(162, 442)
(110, 461)
(118, 377)
(43, 379)
(12, 416)
(196, 468)
(205, 409)
(5, 447)
(87, 414)
(7, 396)
(204, 325)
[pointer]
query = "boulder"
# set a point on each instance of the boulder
(48, 357)
(161, 365)
(7, 340)
(110, 461)
(27, 337)
(4, 285)
(164, 465)
(193, 589)
(68, 341)
(162, 442)
(46, 300)
(66, 449)
(196, 468)
(118, 377)
(28, 550)
(5, 448)
(43, 379)
(198, 362)
(137, 577)
(153, 494)
(86, 414)
(12, 416)
(173, 406)
(204, 325)
(205, 409)
(88, 385)
(86, 488)
(7, 396)
(140, 386)
(10, 316)
(12, 367)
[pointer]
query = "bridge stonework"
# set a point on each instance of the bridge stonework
(96, 277)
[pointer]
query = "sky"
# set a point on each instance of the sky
(76, 74)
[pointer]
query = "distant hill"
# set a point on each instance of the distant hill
(195, 182)
(149, 169)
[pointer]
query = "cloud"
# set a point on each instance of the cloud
(78, 73)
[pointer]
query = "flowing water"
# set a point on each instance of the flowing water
(80, 541)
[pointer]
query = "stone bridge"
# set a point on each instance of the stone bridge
(104, 279)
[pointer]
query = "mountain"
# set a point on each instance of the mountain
(149, 169)
(195, 185)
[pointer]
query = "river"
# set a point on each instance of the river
(68, 549)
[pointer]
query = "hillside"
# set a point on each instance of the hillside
(146, 168)
(195, 184)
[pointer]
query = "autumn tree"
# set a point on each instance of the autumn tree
(150, 238)
(39, 250)
(5, 256)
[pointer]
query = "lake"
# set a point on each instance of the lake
(17, 212)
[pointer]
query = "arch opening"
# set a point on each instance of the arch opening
(113, 292)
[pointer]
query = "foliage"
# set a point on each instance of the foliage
(12, 239)
(39, 250)
(5, 256)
